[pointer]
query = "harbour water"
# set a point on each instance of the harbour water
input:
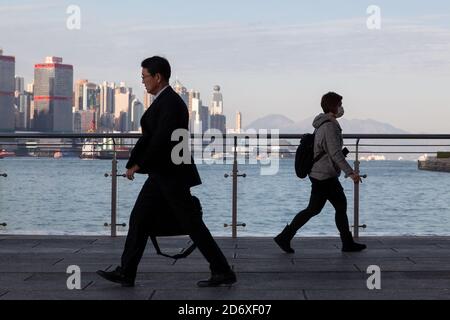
(71, 196)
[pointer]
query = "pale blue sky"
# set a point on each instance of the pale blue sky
(268, 56)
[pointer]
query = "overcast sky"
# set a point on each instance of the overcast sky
(267, 56)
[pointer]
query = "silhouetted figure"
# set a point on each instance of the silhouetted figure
(324, 176)
(168, 185)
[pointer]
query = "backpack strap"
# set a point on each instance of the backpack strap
(323, 152)
(181, 255)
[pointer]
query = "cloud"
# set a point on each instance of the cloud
(31, 7)
(341, 45)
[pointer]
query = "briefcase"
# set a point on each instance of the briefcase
(164, 224)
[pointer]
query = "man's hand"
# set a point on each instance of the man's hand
(356, 178)
(131, 171)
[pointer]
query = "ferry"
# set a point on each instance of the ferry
(57, 155)
(374, 157)
(90, 150)
(4, 153)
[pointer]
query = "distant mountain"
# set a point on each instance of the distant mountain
(271, 121)
(286, 125)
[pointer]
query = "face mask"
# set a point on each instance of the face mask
(340, 112)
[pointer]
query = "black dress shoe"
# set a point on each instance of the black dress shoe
(218, 279)
(117, 276)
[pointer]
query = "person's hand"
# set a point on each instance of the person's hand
(130, 172)
(356, 178)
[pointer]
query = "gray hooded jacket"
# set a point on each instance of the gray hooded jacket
(328, 139)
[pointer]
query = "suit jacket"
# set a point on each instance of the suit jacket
(152, 152)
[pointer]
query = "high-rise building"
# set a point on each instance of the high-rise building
(199, 121)
(218, 121)
(122, 106)
(191, 95)
(23, 111)
(85, 121)
(107, 98)
(53, 83)
(181, 90)
(30, 92)
(238, 122)
(30, 87)
(7, 86)
(79, 90)
(106, 111)
(19, 84)
(91, 96)
(137, 110)
(148, 99)
(216, 106)
(22, 104)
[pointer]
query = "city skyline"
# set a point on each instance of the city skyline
(281, 58)
(54, 102)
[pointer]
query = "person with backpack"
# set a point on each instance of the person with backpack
(321, 157)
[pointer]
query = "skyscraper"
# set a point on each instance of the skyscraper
(122, 106)
(216, 106)
(22, 104)
(199, 121)
(191, 95)
(7, 71)
(85, 121)
(181, 90)
(19, 84)
(238, 122)
(30, 87)
(91, 96)
(148, 99)
(79, 89)
(53, 83)
(137, 110)
(217, 119)
(107, 98)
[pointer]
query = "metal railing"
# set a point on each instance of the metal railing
(10, 139)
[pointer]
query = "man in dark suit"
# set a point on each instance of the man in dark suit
(168, 185)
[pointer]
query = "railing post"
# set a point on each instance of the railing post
(356, 195)
(235, 175)
(234, 205)
(4, 175)
(114, 192)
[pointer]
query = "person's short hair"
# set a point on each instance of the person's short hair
(156, 65)
(330, 101)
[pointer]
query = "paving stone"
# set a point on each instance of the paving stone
(383, 294)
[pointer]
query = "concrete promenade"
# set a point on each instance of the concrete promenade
(34, 267)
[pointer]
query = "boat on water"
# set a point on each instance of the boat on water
(4, 153)
(373, 157)
(57, 155)
(103, 150)
(90, 150)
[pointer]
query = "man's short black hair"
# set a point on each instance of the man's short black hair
(156, 65)
(330, 101)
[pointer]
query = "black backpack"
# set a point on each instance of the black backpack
(164, 225)
(304, 156)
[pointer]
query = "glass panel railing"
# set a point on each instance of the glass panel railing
(64, 194)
